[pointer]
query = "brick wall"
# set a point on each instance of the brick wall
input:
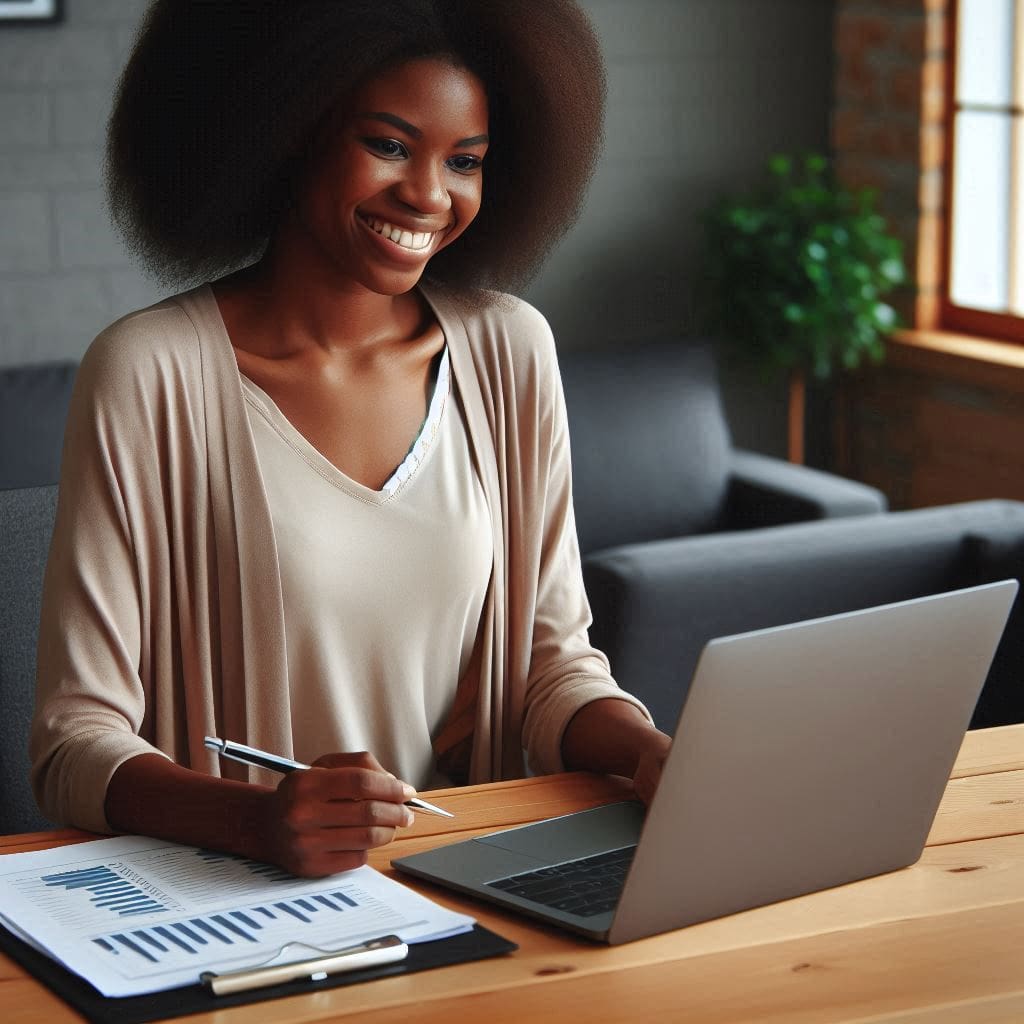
(940, 421)
(63, 273)
(888, 127)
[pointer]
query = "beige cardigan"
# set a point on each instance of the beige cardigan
(162, 618)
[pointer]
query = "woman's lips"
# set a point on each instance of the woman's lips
(411, 241)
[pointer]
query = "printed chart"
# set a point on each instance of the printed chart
(137, 915)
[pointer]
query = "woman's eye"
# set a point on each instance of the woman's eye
(465, 164)
(390, 149)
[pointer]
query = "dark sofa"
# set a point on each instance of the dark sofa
(652, 456)
(685, 538)
(33, 407)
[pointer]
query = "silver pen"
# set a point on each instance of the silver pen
(385, 950)
(284, 765)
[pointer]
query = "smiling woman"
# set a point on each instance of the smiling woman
(320, 502)
(210, 135)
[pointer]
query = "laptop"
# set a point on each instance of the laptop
(805, 756)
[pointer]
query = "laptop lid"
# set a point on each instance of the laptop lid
(806, 756)
(811, 755)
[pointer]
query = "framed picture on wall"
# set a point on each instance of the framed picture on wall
(29, 10)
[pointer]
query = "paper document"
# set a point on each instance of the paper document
(134, 915)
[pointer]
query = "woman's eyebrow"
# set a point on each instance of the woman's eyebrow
(410, 129)
(395, 121)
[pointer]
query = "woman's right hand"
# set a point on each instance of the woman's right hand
(324, 820)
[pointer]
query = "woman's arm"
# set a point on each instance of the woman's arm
(315, 823)
(613, 736)
(575, 715)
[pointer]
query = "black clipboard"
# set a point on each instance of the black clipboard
(478, 944)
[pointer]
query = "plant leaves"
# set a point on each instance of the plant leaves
(797, 271)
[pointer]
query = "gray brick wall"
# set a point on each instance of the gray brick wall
(62, 271)
(700, 92)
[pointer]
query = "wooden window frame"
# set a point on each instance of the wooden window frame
(1004, 326)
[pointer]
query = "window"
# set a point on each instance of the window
(986, 224)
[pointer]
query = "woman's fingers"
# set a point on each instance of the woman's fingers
(316, 863)
(303, 814)
(649, 767)
(347, 783)
(329, 816)
(364, 771)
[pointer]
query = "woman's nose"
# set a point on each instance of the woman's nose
(423, 188)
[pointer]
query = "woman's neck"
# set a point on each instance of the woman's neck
(287, 306)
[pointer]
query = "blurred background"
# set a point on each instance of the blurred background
(700, 91)
(701, 94)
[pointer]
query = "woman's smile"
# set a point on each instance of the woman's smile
(407, 241)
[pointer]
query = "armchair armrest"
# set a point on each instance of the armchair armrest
(656, 605)
(765, 491)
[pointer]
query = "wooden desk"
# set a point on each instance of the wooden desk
(942, 941)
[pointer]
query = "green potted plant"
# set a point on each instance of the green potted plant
(796, 274)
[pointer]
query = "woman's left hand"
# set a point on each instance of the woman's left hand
(649, 765)
(614, 736)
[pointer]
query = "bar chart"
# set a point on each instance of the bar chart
(134, 914)
(199, 935)
(106, 890)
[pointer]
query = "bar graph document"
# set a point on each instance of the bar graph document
(134, 915)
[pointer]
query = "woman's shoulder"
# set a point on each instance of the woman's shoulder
(485, 307)
(143, 344)
(499, 323)
(161, 328)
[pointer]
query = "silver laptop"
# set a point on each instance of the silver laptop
(805, 756)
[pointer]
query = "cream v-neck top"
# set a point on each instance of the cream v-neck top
(381, 590)
(163, 611)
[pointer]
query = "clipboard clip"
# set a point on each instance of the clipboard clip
(384, 950)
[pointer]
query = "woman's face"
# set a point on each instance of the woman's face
(400, 176)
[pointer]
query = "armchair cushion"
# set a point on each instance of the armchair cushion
(650, 446)
(656, 605)
(33, 407)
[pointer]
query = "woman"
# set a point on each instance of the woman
(323, 505)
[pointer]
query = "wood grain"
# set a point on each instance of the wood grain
(990, 750)
(1001, 1009)
(839, 975)
(941, 941)
(980, 806)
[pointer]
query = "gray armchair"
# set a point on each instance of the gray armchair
(652, 457)
(33, 407)
(655, 605)
(685, 539)
(26, 523)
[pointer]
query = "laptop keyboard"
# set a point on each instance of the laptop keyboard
(588, 886)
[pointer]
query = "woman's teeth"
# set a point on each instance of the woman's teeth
(414, 240)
